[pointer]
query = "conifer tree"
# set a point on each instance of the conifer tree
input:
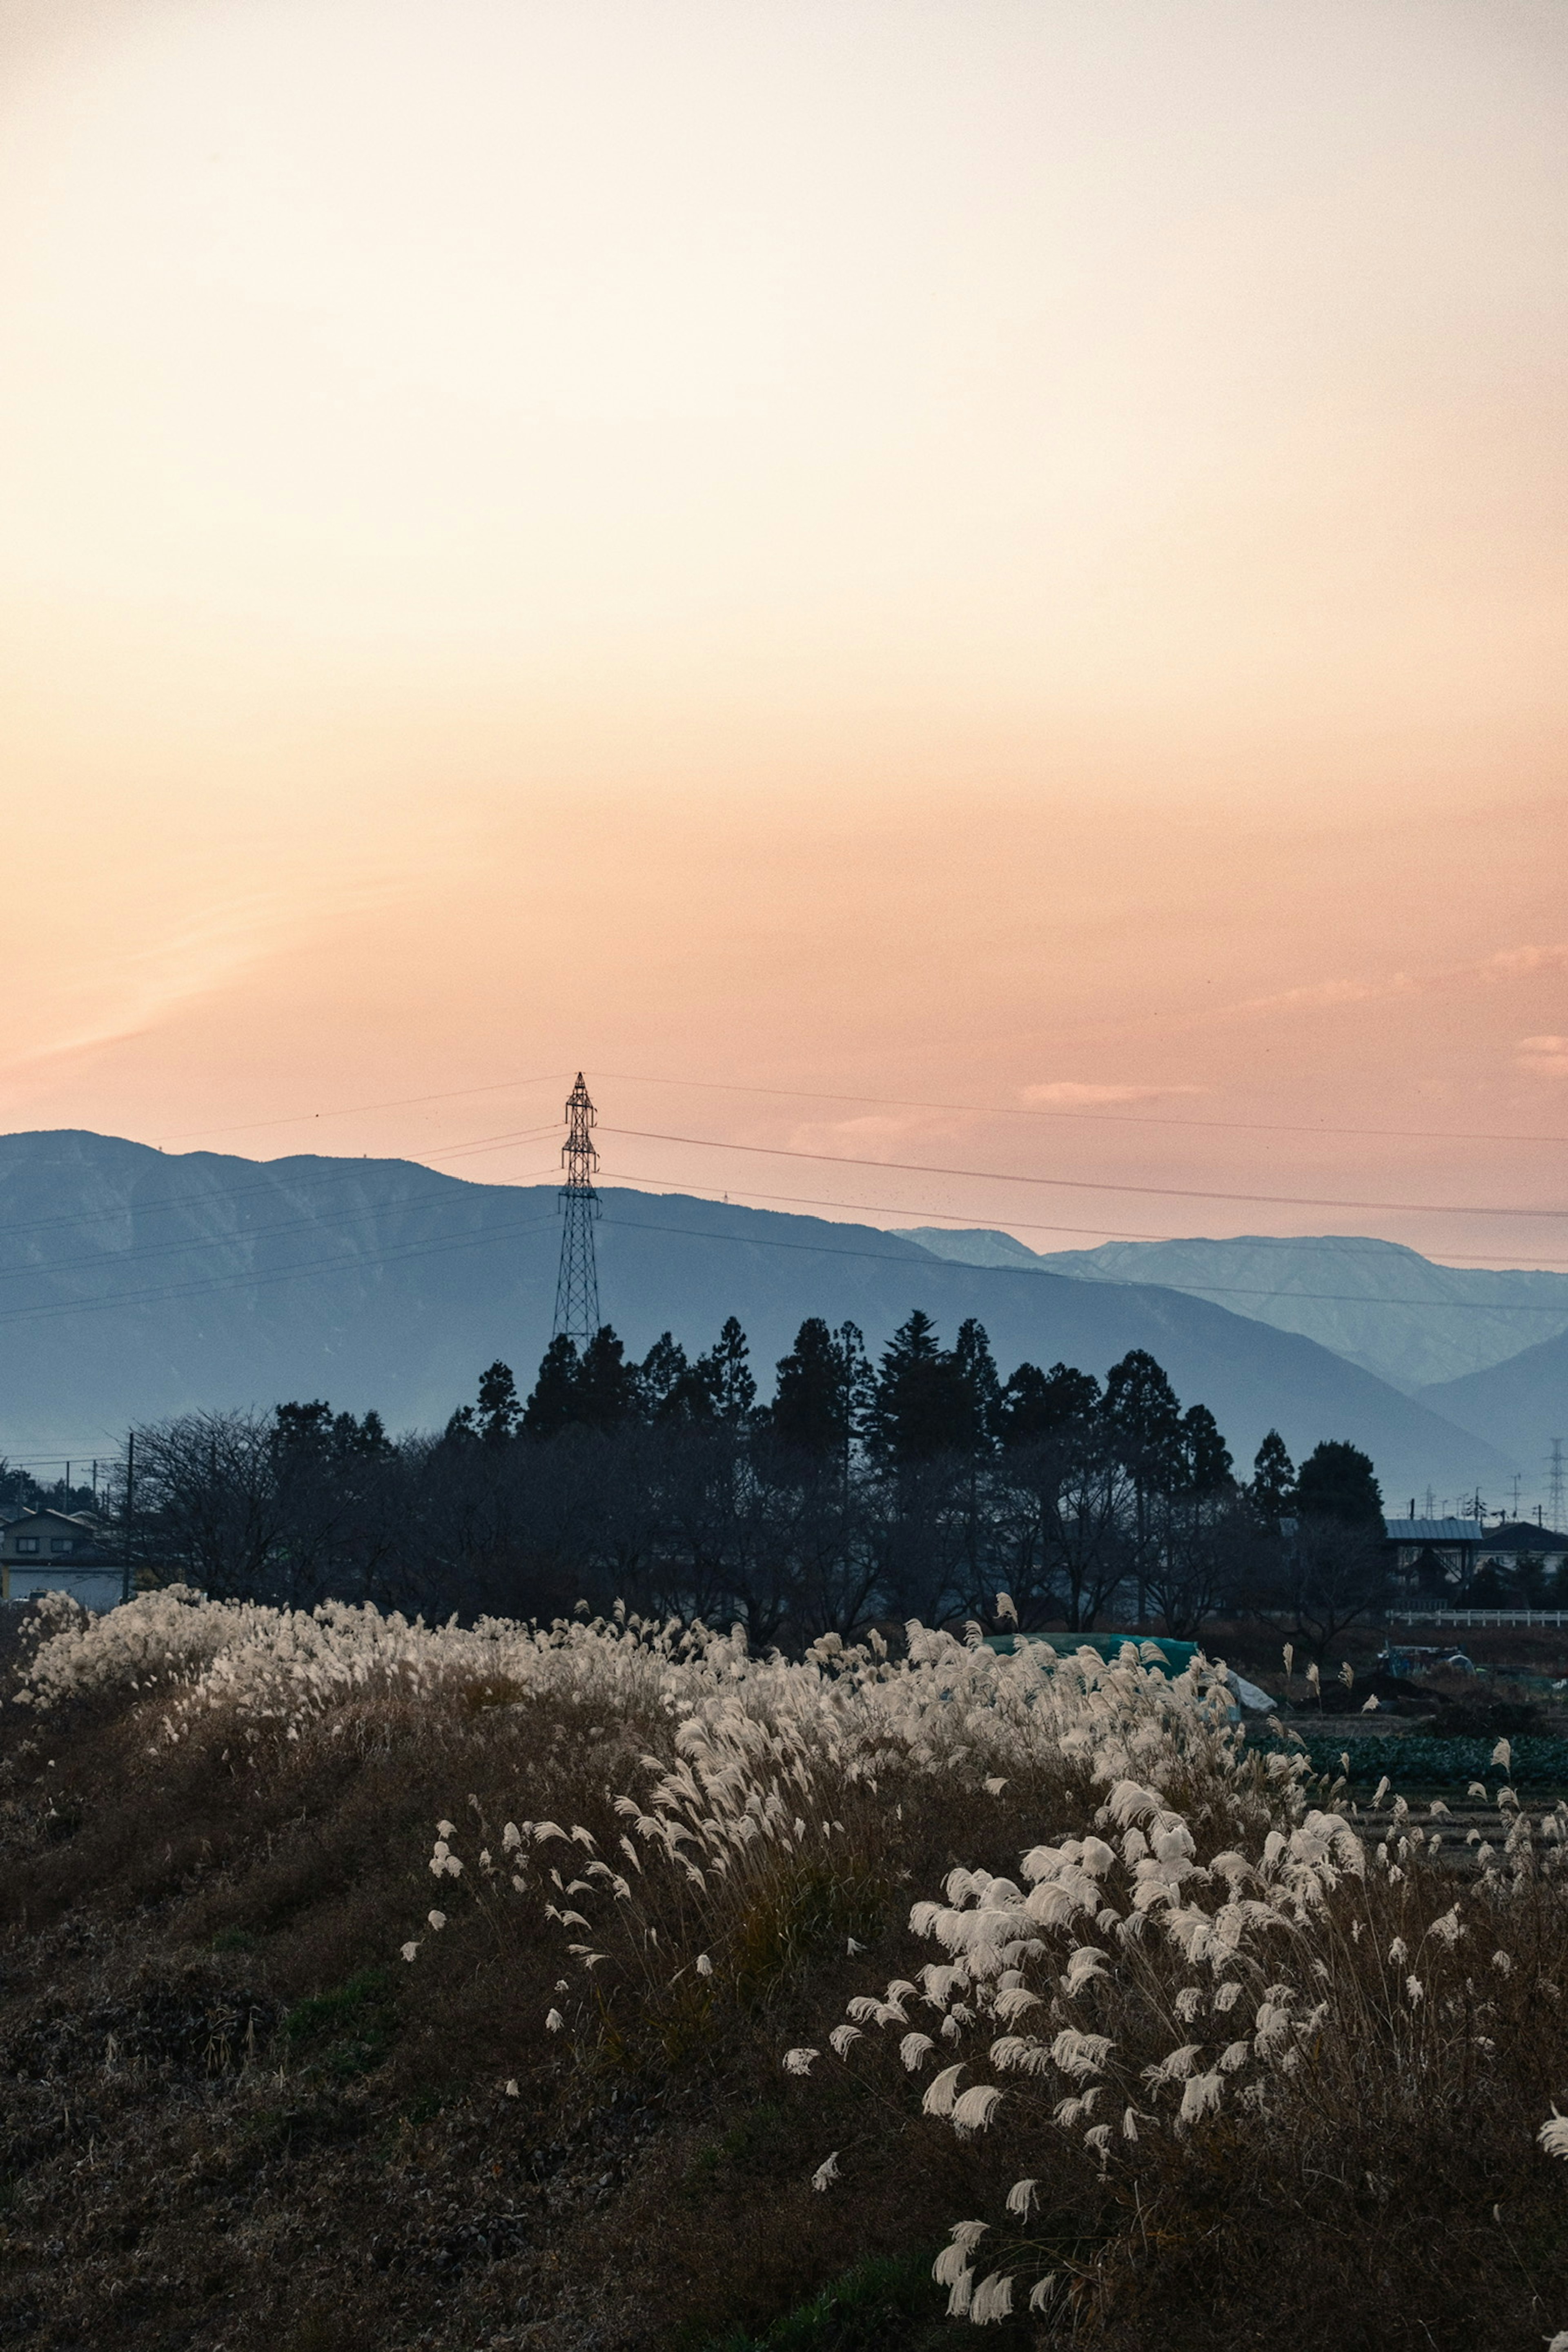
(608, 1388)
(1337, 1481)
(664, 1376)
(811, 1405)
(728, 1376)
(499, 1410)
(1272, 1487)
(922, 1407)
(1036, 1404)
(552, 1406)
(1206, 1457)
(976, 1369)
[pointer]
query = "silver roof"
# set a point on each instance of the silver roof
(1434, 1531)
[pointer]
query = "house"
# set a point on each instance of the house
(58, 1551)
(1531, 1555)
(1434, 1554)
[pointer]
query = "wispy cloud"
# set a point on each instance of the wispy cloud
(1543, 1057)
(1074, 1094)
(126, 990)
(1509, 963)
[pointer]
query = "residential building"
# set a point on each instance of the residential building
(1530, 1556)
(58, 1551)
(1434, 1554)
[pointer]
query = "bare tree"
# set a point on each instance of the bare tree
(208, 1502)
(1330, 1576)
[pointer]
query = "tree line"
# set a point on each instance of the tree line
(919, 1485)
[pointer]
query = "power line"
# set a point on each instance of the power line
(340, 1172)
(1105, 1117)
(277, 1274)
(349, 1110)
(246, 1234)
(1150, 1282)
(1081, 1183)
(83, 1453)
(347, 1264)
(424, 1249)
(1033, 1225)
(1009, 1110)
(754, 1241)
(494, 1142)
(105, 1260)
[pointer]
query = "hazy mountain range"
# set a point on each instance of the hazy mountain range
(135, 1283)
(1520, 1406)
(1375, 1303)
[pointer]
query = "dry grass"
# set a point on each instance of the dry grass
(235, 2116)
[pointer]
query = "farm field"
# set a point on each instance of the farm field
(606, 1986)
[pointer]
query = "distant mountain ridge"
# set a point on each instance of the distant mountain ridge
(1409, 1319)
(1524, 1401)
(135, 1283)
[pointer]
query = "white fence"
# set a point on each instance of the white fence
(1463, 1617)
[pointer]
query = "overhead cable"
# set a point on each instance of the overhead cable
(1080, 1183)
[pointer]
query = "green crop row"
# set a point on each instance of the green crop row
(1427, 1762)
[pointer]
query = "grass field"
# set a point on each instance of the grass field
(1181, 2048)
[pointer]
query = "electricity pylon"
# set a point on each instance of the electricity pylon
(1554, 1483)
(577, 1284)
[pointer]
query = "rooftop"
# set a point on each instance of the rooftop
(1433, 1531)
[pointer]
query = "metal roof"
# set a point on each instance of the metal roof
(1434, 1531)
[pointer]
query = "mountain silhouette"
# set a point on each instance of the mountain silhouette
(1409, 1319)
(1520, 1406)
(135, 1283)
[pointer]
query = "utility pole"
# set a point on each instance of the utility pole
(577, 1284)
(130, 1507)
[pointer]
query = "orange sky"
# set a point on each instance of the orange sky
(1008, 555)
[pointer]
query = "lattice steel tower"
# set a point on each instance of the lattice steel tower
(577, 1285)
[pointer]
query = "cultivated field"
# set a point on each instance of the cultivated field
(367, 1984)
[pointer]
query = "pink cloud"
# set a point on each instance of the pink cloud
(1509, 963)
(1544, 1057)
(1072, 1094)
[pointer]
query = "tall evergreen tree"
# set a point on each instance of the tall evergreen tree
(859, 1386)
(1143, 1409)
(554, 1404)
(1337, 1481)
(1206, 1464)
(1272, 1487)
(663, 1373)
(315, 1428)
(499, 1410)
(1036, 1404)
(1143, 1414)
(811, 1402)
(608, 1388)
(976, 1369)
(373, 1440)
(728, 1375)
(922, 1406)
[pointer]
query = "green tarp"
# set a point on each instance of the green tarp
(1173, 1658)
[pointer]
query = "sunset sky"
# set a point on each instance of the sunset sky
(900, 557)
